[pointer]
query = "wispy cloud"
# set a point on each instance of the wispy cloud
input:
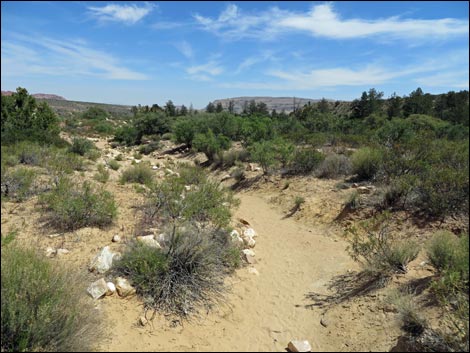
(205, 72)
(47, 56)
(128, 14)
(445, 71)
(185, 48)
(323, 21)
(253, 60)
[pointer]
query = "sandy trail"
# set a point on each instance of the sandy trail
(264, 311)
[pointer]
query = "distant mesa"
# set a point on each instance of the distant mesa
(37, 95)
(286, 104)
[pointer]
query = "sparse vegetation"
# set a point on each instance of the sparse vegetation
(81, 145)
(138, 173)
(373, 246)
(72, 208)
(113, 164)
(42, 308)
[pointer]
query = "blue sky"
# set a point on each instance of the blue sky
(195, 52)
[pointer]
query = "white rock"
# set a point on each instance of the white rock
(154, 167)
(248, 252)
(123, 287)
(187, 187)
(253, 271)
(116, 238)
(363, 190)
(54, 235)
(62, 252)
(111, 288)
(104, 260)
(250, 242)
(249, 232)
(149, 240)
(169, 171)
(161, 238)
(50, 252)
(137, 161)
(225, 177)
(98, 288)
(143, 321)
(299, 346)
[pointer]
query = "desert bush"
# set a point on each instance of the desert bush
(305, 160)
(102, 175)
(186, 275)
(119, 157)
(264, 153)
(354, 201)
(149, 148)
(230, 158)
(104, 128)
(373, 246)
(71, 207)
(238, 174)
(61, 162)
(449, 255)
(298, 201)
(17, 183)
(43, 305)
(127, 135)
(113, 164)
(366, 162)
(138, 173)
(333, 166)
(191, 175)
(210, 144)
(137, 155)
(81, 145)
(412, 321)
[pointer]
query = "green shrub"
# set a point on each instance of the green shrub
(17, 183)
(299, 201)
(305, 160)
(238, 174)
(366, 162)
(186, 275)
(138, 173)
(127, 135)
(373, 246)
(149, 148)
(102, 174)
(93, 154)
(191, 175)
(412, 321)
(210, 144)
(264, 153)
(81, 145)
(334, 165)
(113, 164)
(137, 155)
(104, 128)
(62, 162)
(43, 305)
(119, 157)
(71, 207)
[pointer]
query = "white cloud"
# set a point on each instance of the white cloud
(323, 21)
(253, 60)
(448, 70)
(47, 56)
(128, 14)
(205, 72)
(185, 48)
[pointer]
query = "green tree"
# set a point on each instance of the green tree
(231, 107)
(170, 108)
(219, 108)
(183, 110)
(394, 108)
(210, 108)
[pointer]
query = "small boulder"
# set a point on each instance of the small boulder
(225, 177)
(50, 252)
(154, 167)
(98, 288)
(111, 288)
(187, 187)
(250, 242)
(299, 346)
(363, 190)
(116, 238)
(324, 322)
(143, 321)
(236, 237)
(61, 252)
(149, 240)
(248, 252)
(103, 261)
(249, 232)
(123, 287)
